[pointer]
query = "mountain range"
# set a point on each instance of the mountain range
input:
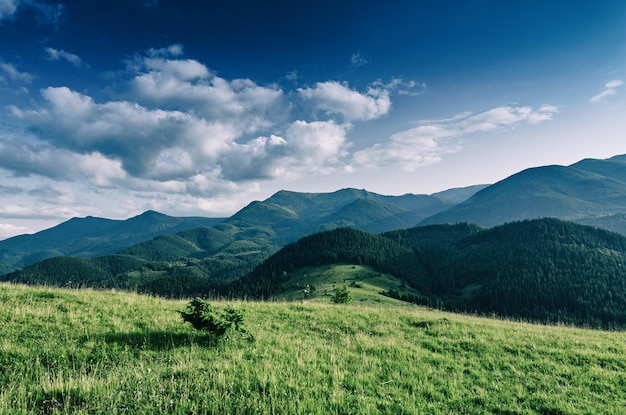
(284, 217)
(212, 257)
(90, 237)
(590, 191)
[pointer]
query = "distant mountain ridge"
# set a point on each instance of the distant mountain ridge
(91, 236)
(582, 192)
(184, 263)
(292, 215)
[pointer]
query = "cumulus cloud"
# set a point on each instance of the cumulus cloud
(126, 131)
(24, 159)
(426, 143)
(610, 88)
(314, 147)
(189, 85)
(176, 127)
(317, 147)
(333, 98)
(209, 135)
(60, 54)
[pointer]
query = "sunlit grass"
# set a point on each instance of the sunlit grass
(364, 283)
(96, 352)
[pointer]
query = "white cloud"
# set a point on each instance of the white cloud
(190, 85)
(14, 74)
(58, 54)
(137, 136)
(426, 143)
(610, 88)
(335, 98)
(24, 159)
(178, 138)
(170, 51)
(181, 129)
(316, 147)
(402, 87)
(125, 141)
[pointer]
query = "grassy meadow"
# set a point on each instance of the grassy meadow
(365, 284)
(106, 352)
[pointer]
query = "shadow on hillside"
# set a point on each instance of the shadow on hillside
(158, 340)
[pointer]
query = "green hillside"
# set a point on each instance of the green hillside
(541, 270)
(365, 285)
(97, 352)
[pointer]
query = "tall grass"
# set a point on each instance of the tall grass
(95, 352)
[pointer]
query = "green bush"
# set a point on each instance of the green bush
(203, 316)
(342, 295)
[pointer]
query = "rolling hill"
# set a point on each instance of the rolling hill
(543, 270)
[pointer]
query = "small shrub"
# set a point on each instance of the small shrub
(342, 295)
(203, 316)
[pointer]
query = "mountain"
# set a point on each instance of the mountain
(90, 237)
(197, 261)
(544, 270)
(288, 216)
(458, 194)
(584, 192)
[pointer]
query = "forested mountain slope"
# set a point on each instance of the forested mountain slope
(542, 270)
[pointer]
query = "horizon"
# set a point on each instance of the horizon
(111, 109)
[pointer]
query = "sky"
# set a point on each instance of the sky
(196, 108)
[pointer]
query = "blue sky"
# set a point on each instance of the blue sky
(195, 108)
